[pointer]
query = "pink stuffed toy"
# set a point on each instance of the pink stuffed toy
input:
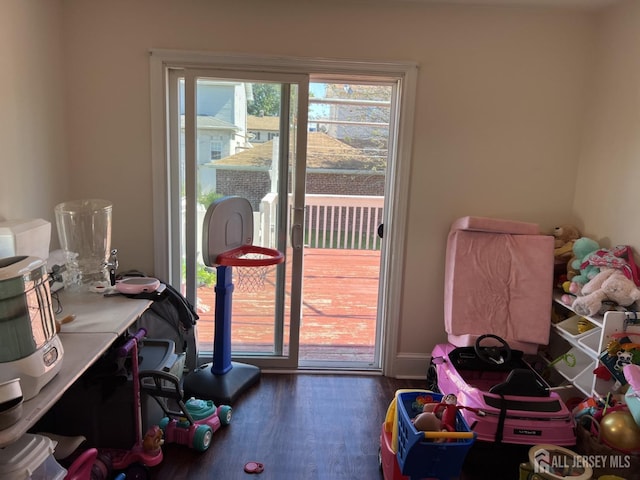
(608, 285)
(620, 257)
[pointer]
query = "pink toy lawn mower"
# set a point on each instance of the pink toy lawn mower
(195, 420)
(517, 404)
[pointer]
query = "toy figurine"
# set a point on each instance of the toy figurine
(447, 410)
(153, 440)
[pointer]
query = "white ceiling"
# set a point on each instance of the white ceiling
(583, 4)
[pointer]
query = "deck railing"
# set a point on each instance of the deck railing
(331, 221)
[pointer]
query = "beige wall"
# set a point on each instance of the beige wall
(33, 158)
(501, 99)
(606, 201)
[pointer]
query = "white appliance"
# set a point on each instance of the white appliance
(30, 348)
(30, 237)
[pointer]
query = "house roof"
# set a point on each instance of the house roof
(323, 152)
(255, 122)
(206, 121)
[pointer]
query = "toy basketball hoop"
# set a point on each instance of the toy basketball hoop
(255, 264)
(227, 242)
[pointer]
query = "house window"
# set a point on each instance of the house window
(216, 150)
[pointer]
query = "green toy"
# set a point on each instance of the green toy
(582, 249)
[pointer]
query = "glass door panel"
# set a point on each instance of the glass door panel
(233, 143)
(347, 156)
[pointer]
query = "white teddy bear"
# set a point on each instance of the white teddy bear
(610, 284)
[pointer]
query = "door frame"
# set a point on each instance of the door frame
(395, 220)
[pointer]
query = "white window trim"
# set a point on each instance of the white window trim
(161, 59)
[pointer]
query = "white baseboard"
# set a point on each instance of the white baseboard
(411, 366)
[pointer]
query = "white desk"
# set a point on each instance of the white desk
(96, 313)
(99, 321)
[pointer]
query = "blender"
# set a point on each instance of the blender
(84, 230)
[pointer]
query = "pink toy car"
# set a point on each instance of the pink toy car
(196, 420)
(518, 405)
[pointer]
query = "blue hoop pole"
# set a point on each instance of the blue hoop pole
(222, 328)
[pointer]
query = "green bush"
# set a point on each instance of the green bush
(205, 276)
(208, 198)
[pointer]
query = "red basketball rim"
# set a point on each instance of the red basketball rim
(234, 257)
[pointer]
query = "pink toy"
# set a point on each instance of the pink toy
(448, 409)
(81, 468)
(147, 451)
(499, 279)
(506, 400)
(619, 257)
(196, 420)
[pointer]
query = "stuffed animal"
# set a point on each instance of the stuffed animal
(571, 271)
(582, 249)
(620, 257)
(565, 236)
(609, 285)
(427, 422)
(447, 411)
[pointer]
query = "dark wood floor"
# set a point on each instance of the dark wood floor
(312, 427)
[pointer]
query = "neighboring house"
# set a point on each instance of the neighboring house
(226, 130)
(333, 168)
(222, 124)
(262, 128)
(358, 115)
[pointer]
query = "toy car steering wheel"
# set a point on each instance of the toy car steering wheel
(494, 355)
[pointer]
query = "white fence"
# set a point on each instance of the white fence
(331, 221)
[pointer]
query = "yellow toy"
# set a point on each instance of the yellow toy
(619, 430)
(391, 419)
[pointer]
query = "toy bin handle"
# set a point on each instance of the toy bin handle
(432, 435)
(124, 350)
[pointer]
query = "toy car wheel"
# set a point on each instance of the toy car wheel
(225, 415)
(102, 467)
(136, 471)
(202, 438)
(163, 423)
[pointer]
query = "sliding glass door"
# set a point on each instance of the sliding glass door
(314, 147)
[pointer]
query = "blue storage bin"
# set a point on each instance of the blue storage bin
(423, 458)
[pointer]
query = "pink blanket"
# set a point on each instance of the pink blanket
(498, 279)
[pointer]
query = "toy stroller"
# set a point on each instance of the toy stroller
(194, 423)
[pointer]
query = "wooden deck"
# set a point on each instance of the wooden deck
(338, 314)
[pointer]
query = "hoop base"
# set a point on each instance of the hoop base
(221, 389)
